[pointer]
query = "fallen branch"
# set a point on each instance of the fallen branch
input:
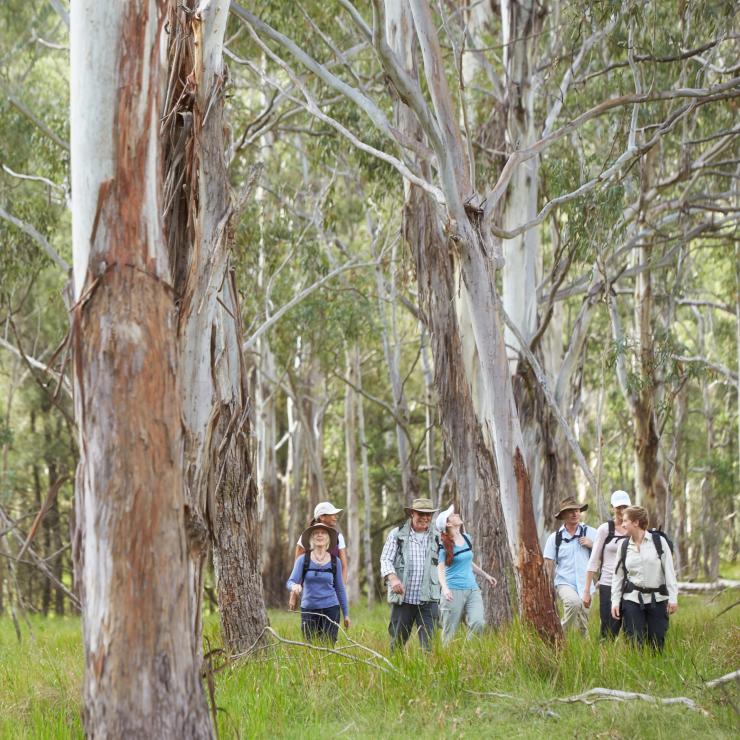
(598, 694)
(258, 644)
(719, 585)
(734, 676)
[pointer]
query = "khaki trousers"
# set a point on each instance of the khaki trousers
(465, 602)
(575, 615)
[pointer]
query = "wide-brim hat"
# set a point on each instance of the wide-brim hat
(306, 535)
(570, 503)
(422, 505)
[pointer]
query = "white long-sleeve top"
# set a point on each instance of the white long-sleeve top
(645, 570)
(610, 551)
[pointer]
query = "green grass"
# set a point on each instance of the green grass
(291, 692)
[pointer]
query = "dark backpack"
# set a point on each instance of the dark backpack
(611, 536)
(658, 538)
(559, 539)
(307, 567)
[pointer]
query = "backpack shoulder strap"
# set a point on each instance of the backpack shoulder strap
(306, 564)
(558, 542)
(658, 542)
(468, 542)
(334, 569)
(623, 556)
(611, 529)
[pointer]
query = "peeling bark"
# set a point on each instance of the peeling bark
(218, 447)
(142, 677)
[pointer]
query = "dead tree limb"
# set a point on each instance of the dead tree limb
(599, 694)
(734, 676)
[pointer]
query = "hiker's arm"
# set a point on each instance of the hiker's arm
(387, 571)
(342, 593)
(594, 562)
(293, 583)
(477, 569)
(670, 579)
(345, 572)
(587, 588)
(442, 573)
(617, 587)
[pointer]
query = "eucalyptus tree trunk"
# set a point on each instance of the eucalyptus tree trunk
(650, 482)
(219, 475)
(429, 413)
(352, 514)
(474, 465)
(388, 301)
(142, 672)
(274, 552)
(367, 551)
(294, 475)
(709, 513)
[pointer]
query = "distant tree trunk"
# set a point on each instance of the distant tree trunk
(142, 676)
(294, 477)
(652, 489)
(274, 552)
(392, 353)
(352, 513)
(367, 550)
(222, 499)
(678, 482)
(429, 415)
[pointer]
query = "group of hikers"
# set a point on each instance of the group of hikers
(430, 574)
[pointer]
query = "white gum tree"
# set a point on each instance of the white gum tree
(142, 670)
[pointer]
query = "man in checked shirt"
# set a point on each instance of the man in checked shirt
(408, 564)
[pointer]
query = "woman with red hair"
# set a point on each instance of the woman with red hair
(460, 593)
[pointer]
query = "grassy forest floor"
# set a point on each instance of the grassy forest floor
(289, 691)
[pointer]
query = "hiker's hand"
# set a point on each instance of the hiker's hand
(672, 608)
(396, 585)
(447, 594)
(297, 588)
(347, 623)
(587, 599)
(492, 580)
(615, 612)
(586, 542)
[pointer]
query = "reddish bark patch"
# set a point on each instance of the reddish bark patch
(538, 598)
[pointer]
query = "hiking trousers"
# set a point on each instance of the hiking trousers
(609, 626)
(645, 623)
(466, 602)
(575, 615)
(405, 616)
(320, 624)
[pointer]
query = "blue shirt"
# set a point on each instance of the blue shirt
(459, 575)
(572, 563)
(319, 591)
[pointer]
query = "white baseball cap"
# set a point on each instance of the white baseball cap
(324, 507)
(621, 498)
(442, 517)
